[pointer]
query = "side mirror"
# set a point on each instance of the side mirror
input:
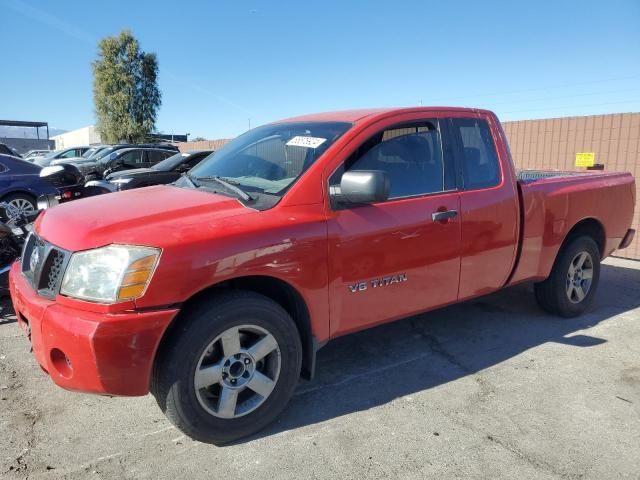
(364, 186)
(62, 175)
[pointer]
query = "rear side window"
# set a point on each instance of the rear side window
(132, 158)
(156, 156)
(477, 152)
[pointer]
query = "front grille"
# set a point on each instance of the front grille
(43, 265)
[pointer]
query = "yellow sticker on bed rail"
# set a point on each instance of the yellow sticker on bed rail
(585, 159)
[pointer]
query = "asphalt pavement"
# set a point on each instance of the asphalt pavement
(492, 388)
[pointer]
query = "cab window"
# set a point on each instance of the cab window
(155, 156)
(132, 158)
(477, 153)
(411, 155)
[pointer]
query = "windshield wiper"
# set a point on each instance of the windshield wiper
(190, 179)
(230, 184)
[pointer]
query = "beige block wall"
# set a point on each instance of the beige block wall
(553, 143)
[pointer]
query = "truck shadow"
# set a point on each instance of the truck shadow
(376, 366)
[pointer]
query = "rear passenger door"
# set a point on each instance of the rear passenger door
(488, 207)
(394, 258)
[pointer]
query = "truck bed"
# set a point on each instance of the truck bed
(552, 202)
(529, 176)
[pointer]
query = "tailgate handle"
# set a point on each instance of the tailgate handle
(444, 216)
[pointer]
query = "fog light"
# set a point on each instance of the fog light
(61, 363)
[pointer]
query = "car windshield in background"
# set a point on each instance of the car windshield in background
(49, 155)
(170, 163)
(89, 152)
(103, 153)
(269, 159)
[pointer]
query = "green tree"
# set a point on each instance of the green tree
(125, 89)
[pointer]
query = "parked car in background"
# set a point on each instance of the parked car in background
(118, 158)
(65, 153)
(7, 150)
(167, 171)
(32, 154)
(92, 164)
(21, 185)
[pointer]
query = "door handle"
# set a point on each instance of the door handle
(445, 216)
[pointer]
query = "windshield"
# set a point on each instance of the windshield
(103, 153)
(269, 159)
(170, 163)
(52, 154)
(91, 152)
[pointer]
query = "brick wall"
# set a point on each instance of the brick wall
(203, 145)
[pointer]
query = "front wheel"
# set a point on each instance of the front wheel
(573, 281)
(229, 368)
(21, 204)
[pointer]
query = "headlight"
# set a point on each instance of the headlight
(110, 274)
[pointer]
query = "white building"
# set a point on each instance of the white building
(76, 138)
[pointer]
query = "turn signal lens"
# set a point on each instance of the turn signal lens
(136, 278)
(131, 291)
(141, 276)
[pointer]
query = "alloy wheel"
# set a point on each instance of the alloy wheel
(579, 277)
(237, 371)
(21, 206)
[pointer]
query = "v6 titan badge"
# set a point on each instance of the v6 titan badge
(378, 282)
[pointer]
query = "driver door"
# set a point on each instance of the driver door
(391, 259)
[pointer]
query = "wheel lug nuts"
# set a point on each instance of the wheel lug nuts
(246, 361)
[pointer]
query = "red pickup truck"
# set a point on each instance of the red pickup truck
(216, 292)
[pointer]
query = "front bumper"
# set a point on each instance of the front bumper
(86, 351)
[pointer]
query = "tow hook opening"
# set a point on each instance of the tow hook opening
(61, 363)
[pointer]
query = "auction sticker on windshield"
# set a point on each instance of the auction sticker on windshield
(307, 142)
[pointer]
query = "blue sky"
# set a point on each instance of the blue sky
(227, 62)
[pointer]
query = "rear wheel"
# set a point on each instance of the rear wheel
(573, 281)
(229, 368)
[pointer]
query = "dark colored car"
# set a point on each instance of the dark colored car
(7, 150)
(64, 154)
(21, 185)
(123, 159)
(93, 166)
(167, 171)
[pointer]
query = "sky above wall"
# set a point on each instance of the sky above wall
(228, 64)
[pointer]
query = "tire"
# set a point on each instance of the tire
(195, 352)
(568, 291)
(22, 201)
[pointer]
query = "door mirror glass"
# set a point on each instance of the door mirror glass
(364, 186)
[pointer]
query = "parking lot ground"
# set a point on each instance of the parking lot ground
(492, 388)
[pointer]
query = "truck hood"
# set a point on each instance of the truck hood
(155, 216)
